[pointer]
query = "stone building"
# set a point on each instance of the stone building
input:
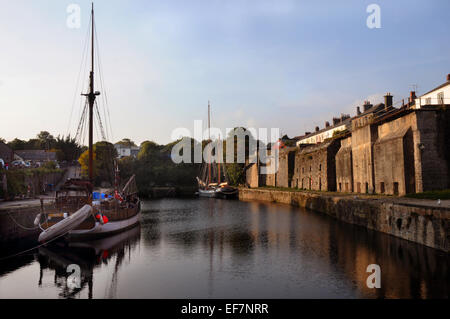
(364, 134)
(35, 156)
(286, 163)
(344, 166)
(252, 176)
(315, 167)
(411, 154)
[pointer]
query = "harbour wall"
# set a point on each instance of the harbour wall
(18, 222)
(426, 225)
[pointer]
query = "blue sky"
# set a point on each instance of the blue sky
(286, 64)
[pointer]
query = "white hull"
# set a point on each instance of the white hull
(207, 193)
(65, 226)
(112, 227)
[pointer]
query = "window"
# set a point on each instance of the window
(396, 188)
(358, 187)
(440, 97)
(367, 188)
(340, 187)
(382, 190)
(320, 167)
(428, 101)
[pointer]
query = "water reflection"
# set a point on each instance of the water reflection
(189, 248)
(88, 256)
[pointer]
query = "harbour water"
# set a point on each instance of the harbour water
(208, 248)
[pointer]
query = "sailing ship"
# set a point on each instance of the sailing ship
(81, 213)
(214, 181)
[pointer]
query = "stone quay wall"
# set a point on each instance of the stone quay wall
(429, 226)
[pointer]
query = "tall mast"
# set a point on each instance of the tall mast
(209, 137)
(91, 99)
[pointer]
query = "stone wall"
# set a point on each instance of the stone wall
(364, 135)
(344, 166)
(429, 226)
(286, 167)
(315, 166)
(431, 157)
(252, 175)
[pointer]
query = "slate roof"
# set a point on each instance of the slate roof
(37, 155)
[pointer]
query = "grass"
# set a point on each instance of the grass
(443, 194)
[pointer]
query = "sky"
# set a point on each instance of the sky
(286, 64)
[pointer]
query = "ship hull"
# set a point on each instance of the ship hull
(99, 230)
(211, 193)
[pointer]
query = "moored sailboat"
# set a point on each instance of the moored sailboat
(80, 212)
(214, 180)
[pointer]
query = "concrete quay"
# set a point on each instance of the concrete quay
(421, 221)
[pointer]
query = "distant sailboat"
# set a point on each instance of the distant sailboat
(213, 180)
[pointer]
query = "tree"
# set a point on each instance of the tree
(103, 166)
(70, 149)
(17, 144)
(46, 140)
(126, 142)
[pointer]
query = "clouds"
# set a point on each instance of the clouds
(287, 64)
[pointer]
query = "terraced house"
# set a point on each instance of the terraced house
(381, 149)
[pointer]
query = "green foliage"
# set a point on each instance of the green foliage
(126, 142)
(435, 195)
(103, 169)
(236, 174)
(154, 167)
(49, 165)
(66, 148)
(17, 179)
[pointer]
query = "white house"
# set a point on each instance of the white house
(437, 96)
(126, 151)
(322, 136)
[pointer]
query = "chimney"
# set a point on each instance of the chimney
(367, 105)
(448, 77)
(307, 133)
(388, 101)
(358, 110)
(317, 129)
(412, 96)
(336, 120)
(327, 124)
(344, 117)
